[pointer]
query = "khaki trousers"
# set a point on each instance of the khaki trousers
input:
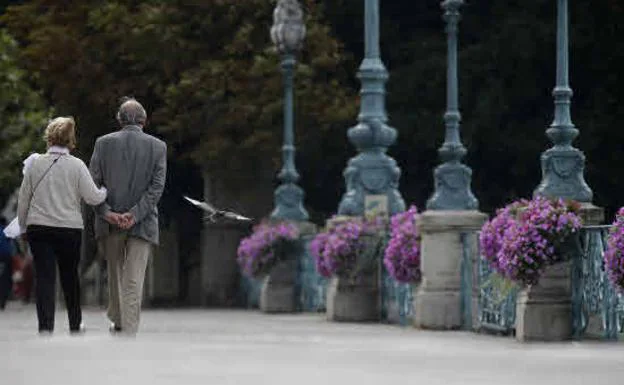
(126, 259)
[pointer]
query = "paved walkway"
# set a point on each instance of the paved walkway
(245, 347)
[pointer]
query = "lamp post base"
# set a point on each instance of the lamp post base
(562, 170)
(371, 173)
(289, 203)
(452, 188)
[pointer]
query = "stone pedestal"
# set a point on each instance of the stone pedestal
(354, 301)
(279, 293)
(544, 311)
(437, 300)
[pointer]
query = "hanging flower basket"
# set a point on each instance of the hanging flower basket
(527, 236)
(614, 255)
(265, 247)
(493, 231)
(402, 254)
(349, 247)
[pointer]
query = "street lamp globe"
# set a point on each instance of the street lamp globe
(288, 30)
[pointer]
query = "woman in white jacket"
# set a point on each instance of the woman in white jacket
(49, 209)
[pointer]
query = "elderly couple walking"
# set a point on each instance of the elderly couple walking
(124, 182)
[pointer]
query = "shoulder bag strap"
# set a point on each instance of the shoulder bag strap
(34, 189)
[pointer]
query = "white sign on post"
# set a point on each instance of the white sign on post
(375, 205)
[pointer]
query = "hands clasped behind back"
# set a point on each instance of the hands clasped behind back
(124, 221)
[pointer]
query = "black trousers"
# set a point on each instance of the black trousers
(6, 281)
(52, 246)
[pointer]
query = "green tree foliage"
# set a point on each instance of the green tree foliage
(207, 71)
(23, 114)
(209, 76)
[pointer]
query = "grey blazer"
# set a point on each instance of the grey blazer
(132, 165)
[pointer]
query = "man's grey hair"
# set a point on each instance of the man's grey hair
(131, 112)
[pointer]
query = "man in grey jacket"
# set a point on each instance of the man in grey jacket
(133, 166)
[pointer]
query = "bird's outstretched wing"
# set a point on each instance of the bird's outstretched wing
(202, 205)
(214, 213)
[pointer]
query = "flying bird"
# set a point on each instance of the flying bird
(214, 213)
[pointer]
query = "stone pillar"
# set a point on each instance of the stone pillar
(437, 300)
(280, 289)
(217, 275)
(544, 311)
(162, 284)
(219, 270)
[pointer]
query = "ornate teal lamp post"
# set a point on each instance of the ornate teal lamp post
(562, 177)
(372, 171)
(563, 165)
(452, 178)
(287, 34)
(451, 220)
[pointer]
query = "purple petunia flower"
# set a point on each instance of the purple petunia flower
(260, 251)
(336, 249)
(402, 254)
(614, 254)
(526, 237)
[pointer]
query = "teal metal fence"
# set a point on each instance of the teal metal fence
(467, 281)
(311, 286)
(249, 292)
(396, 300)
(496, 309)
(598, 308)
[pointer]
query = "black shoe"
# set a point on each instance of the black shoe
(80, 330)
(114, 328)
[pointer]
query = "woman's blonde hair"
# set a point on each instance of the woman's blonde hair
(61, 132)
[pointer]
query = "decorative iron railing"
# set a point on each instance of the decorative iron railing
(467, 281)
(311, 286)
(598, 309)
(396, 300)
(250, 292)
(496, 309)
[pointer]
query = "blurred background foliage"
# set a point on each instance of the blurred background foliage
(210, 79)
